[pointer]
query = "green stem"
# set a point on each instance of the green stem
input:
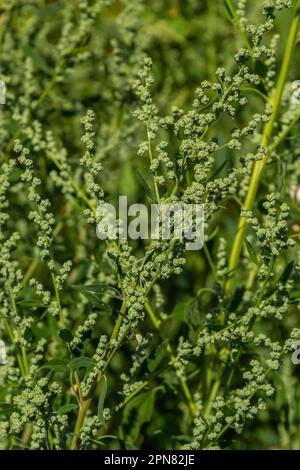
(151, 159)
(11, 337)
(284, 133)
(212, 396)
(78, 190)
(61, 316)
(21, 353)
(259, 165)
(184, 385)
(210, 262)
(85, 403)
(239, 25)
(80, 420)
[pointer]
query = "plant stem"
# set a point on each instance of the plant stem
(85, 402)
(259, 165)
(61, 316)
(184, 385)
(80, 420)
(238, 24)
(284, 133)
(151, 160)
(21, 353)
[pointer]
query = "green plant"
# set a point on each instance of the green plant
(140, 344)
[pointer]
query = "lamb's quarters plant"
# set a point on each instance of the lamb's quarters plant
(113, 344)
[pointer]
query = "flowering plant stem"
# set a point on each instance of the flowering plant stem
(85, 402)
(259, 164)
(184, 385)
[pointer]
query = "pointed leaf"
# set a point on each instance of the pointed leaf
(81, 362)
(251, 252)
(160, 354)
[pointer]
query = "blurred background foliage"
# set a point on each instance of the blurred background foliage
(53, 75)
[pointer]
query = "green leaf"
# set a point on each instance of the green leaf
(229, 12)
(193, 315)
(67, 408)
(127, 445)
(81, 362)
(104, 308)
(30, 299)
(145, 186)
(251, 252)
(160, 354)
(66, 335)
(102, 396)
(100, 288)
(137, 412)
(34, 303)
(28, 334)
(37, 59)
(286, 273)
(59, 365)
(295, 295)
(95, 292)
(218, 170)
(213, 234)
(237, 299)
(180, 311)
(92, 298)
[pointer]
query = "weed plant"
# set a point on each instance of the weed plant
(122, 344)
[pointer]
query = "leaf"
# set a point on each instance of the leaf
(124, 445)
(92, 298)
(96, 288)
(37, 59)
(67, 408)
(104, 308)
(30, 299)
(237, 299)
(251, 252)
(212, 235)
(95, 292)
(66, 335)
(34, 303)
(7, 407)
(193, 315)
(286, 273)
(218, 170)
(81, 362)
(137, 412)
(145, 186)
(160, 354)
(102, 396)
(59, 365)
(28, 334)
(188, 313)
(229, 12)
(180, 311)
(295, 295)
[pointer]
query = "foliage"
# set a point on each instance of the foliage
(140, 344)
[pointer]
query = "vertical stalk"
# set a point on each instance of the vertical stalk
(239, 25)
(20, 352)
(61, 315)
(151, 159)
(259, 165)
(184, 385)
(85, 402)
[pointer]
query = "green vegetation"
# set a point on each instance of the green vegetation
(123, 344)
